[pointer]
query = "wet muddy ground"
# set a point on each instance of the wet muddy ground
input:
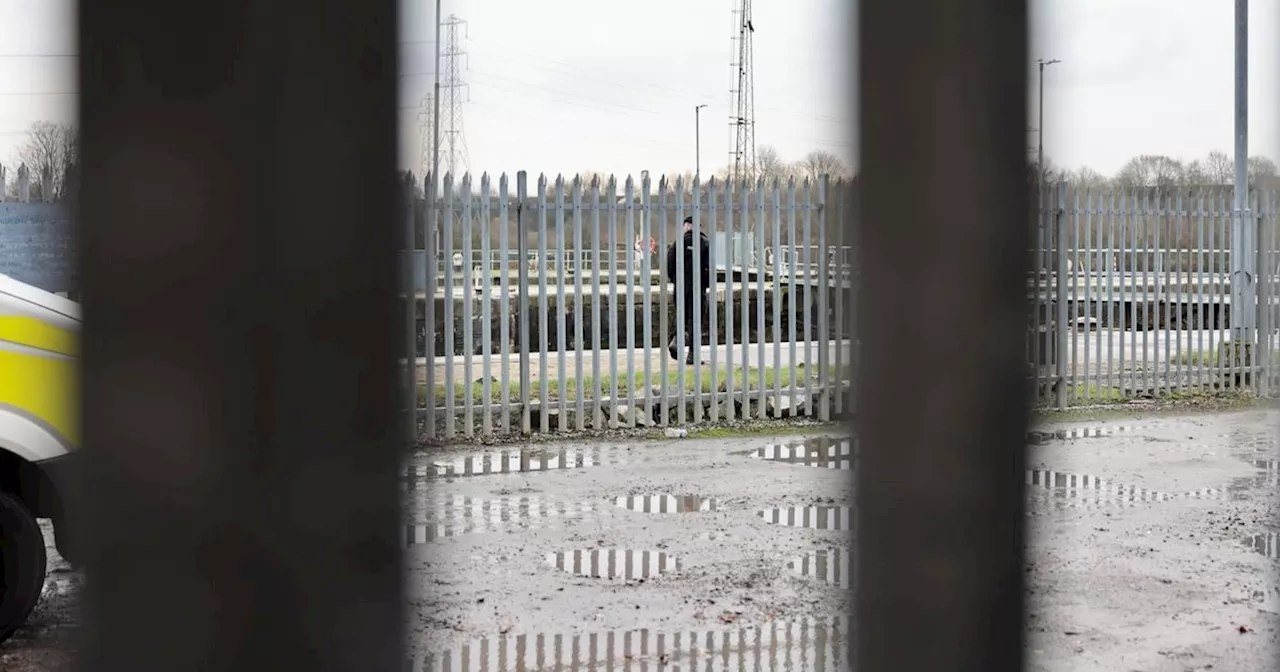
(1149, 559)
(1152, 546)
(47, 642)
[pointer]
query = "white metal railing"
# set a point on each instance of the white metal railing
(547, 318)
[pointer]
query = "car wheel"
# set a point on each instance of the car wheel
(22, 564)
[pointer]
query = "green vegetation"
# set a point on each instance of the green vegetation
(1178, 402)
(1212, 358)
(680, 378)
(1092, 393)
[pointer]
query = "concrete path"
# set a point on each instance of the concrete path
(748, 355)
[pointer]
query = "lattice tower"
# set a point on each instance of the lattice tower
(742, 122)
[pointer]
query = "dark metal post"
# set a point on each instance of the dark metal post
(240, 220)
(941, 463)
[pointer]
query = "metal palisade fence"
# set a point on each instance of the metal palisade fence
(1144, 300)
(548, 307)
(551, 308)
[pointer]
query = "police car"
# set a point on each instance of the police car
(39, 436)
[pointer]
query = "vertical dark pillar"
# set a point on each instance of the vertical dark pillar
(942, 408)
(239, 216)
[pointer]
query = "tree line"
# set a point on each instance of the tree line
(769, 165)
(48, 147)
(1159, 171)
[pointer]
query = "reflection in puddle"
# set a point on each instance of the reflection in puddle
(1271, 473)
(455, 516)
(1259, 484)
(612, 563)
(1063, 490)
(809, 645)
(832, 566)
(828, 452)
(1038, 437)
(1089, 490)
(668, 504)
(1266, 543)
(837, 518)
(520, 461)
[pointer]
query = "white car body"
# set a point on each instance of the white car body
(39, 353)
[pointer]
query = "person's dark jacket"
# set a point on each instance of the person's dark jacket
(704, 251)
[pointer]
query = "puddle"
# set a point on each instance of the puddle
(833, 566)
(828, 452)
(1067, 490)
(1090, 490)
(808, 645)
(835, 518)
(456, 516)
(612, 563)
(1038, 437)
(520, 461)
(668, 504)
(1260, 484)
(1266, 543)
(1270, 476)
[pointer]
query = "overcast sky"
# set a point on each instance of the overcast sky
(572, 85)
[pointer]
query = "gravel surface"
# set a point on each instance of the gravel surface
(1152, 546)
(47, 642)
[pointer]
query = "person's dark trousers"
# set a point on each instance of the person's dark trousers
(692, 341)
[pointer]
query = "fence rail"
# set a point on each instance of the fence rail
(1145, 301)
(536, 311)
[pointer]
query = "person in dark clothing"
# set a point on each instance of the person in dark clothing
(688, 287)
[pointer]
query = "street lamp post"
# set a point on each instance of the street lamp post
(1040, 126)
(697, 141)
(1243, 265)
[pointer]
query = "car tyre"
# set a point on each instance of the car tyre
(22, 564)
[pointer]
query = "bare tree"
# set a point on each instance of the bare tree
(1262, 173)
(770, 166)
(49, 147)
(1087, 178)
(685, 178)
(1151, 170)
(817, 163)
(588, 175)
(70, 155)
(1052, 173)
(1219, 168)
(1196, 174)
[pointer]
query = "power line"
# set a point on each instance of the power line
(582, 102)
(499, 112)
(529, 60)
